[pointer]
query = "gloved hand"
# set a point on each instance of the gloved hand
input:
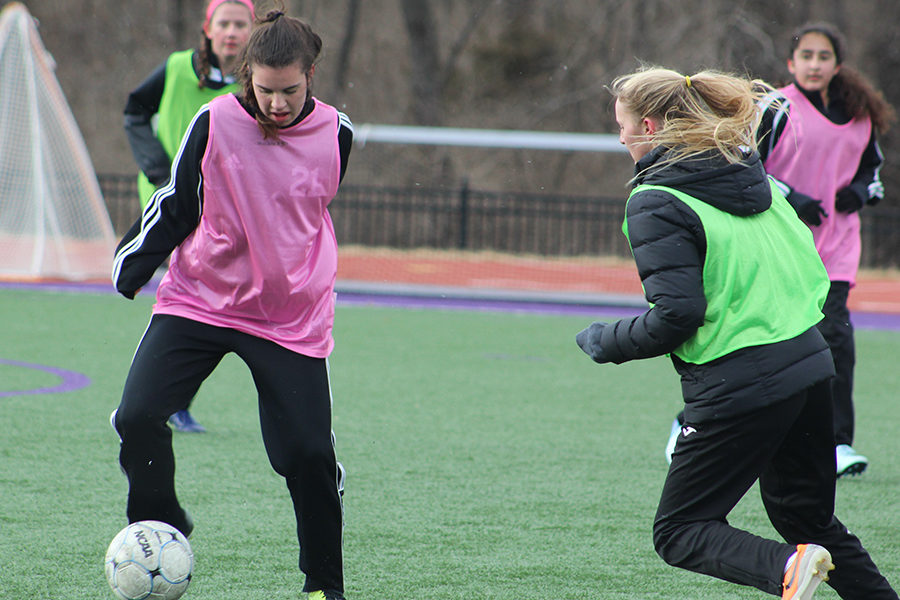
(846, 201)
(589, 340)
(808, 209)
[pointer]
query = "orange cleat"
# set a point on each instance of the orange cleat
(810, 568)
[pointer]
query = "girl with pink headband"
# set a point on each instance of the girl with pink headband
(174, 92)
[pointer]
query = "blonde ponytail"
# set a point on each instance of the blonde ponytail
(708, 111)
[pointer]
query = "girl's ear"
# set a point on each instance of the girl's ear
(650, 126)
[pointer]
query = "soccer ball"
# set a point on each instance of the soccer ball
(149, 560)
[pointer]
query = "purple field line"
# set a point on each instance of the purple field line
(71, 380)
(457, 301)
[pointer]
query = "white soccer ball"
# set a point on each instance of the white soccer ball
(149, 560)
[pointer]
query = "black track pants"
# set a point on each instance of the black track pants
(837, 330)
(174, 357)
(789, 448)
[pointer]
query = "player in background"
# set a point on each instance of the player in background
(172, 94)
(736, 288)
(820, 143)
(253, 261)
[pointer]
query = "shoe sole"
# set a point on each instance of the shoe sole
(821, 567)
(854, 469)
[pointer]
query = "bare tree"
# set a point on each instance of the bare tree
(424, 60)
(351, 22)
(430, 74)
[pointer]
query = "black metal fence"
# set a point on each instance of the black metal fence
(512, 222)
(467, 219)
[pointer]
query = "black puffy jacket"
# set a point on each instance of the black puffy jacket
(669, 247)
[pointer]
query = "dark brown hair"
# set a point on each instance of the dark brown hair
(204, 51)
(277, 41)
(859, 96)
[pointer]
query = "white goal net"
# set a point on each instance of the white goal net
(53, 221)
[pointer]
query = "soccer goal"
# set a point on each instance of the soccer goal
(53, 221)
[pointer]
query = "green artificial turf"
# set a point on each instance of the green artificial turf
(487, 458)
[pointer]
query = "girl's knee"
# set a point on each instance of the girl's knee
(303, 457)
(128, 420)
(665, 535)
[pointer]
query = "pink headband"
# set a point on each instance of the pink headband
(211, 9)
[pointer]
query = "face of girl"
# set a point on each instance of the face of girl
(228, 31)
(280, 91)
(813, 62)
(634, 131)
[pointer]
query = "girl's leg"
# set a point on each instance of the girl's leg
(716, 463)
(798, 491)
(295, 415)
(174, 356)
(837, 330)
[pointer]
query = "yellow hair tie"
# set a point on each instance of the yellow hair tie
(687, 80)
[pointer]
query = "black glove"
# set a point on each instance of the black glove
(589, 341)
(847, 201)
(808, 209)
